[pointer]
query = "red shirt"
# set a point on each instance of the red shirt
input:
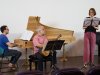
(37, 40)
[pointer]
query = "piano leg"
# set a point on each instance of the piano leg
(26, 59)
(64, 56)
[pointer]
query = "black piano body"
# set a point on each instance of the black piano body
(98, 42)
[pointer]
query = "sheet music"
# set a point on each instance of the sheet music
(27, 35)
(95, 22)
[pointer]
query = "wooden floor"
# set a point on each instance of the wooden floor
(72, 62)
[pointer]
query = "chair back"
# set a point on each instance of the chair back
(68, 71)
(31, 73)
(94, 71)
(1, 51)
(0, 74)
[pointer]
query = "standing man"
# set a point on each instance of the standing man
(4, 44)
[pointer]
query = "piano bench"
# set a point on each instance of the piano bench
(35, 60)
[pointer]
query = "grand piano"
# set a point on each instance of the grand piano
(52, 33)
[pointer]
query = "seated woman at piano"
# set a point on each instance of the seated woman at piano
(39, 41)
(4, 44)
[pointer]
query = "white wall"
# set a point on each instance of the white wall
(65, 14)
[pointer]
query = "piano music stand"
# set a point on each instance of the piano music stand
(53, 46)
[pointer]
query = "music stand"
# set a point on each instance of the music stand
(53, 46)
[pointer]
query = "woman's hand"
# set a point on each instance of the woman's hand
(84, 27)
(96, 27)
